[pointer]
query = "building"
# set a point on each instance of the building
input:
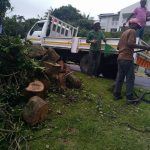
(111, 22)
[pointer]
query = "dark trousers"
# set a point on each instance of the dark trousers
(94, 62)
(125, 69)
(140, 33)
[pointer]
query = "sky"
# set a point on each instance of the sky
(33, 8)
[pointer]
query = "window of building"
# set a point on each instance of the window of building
(115, 18)
(113, 30)
(126, 15)
(103, 30)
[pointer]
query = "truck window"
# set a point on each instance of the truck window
(37, 27)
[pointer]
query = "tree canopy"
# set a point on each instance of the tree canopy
(4, 6)
(73, 16)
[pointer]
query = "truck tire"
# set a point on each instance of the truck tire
(109, 67)
(109, 71)
(84, 63)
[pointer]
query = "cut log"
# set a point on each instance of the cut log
(37, 52)
(72, 81)
(35, 111)
(36, 86)
(46, 83)
(51, 55)
(62, 80)
(45, 54)
(64, 67)
(51, 68)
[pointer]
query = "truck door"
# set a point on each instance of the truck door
(35, 34)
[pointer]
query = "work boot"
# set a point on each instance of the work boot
(132, 100)
(117, 96)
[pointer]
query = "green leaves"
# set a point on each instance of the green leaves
(108, 50)
(17, 69)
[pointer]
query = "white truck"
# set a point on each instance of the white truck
(62, 36)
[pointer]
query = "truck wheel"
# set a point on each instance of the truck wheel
(109, 66)
(109, 71)
(84, 63)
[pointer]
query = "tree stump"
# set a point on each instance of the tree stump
(35, 111)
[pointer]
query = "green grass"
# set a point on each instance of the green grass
(89, 119)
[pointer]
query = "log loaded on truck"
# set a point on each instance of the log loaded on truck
(62, 37)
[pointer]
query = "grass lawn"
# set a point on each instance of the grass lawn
(89, 119)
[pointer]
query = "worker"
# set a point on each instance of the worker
(126, 46)
(94, 37)
(142, 14)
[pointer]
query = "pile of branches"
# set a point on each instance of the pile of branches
(11, 133)
(17, 69)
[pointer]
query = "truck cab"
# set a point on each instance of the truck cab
(36, 33)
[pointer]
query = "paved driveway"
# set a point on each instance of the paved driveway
(139, 80)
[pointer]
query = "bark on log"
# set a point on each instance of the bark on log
(51, 55)
(35, 111)
(37, 52)
(72, 81)
(51, 68)
(46, 83)
(64, 67)
(46, 54)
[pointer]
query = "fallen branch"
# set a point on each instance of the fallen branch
(143, 130)
(8, 75)
(5, 130)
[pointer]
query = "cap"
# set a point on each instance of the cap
(135, 21)
(96, 22)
